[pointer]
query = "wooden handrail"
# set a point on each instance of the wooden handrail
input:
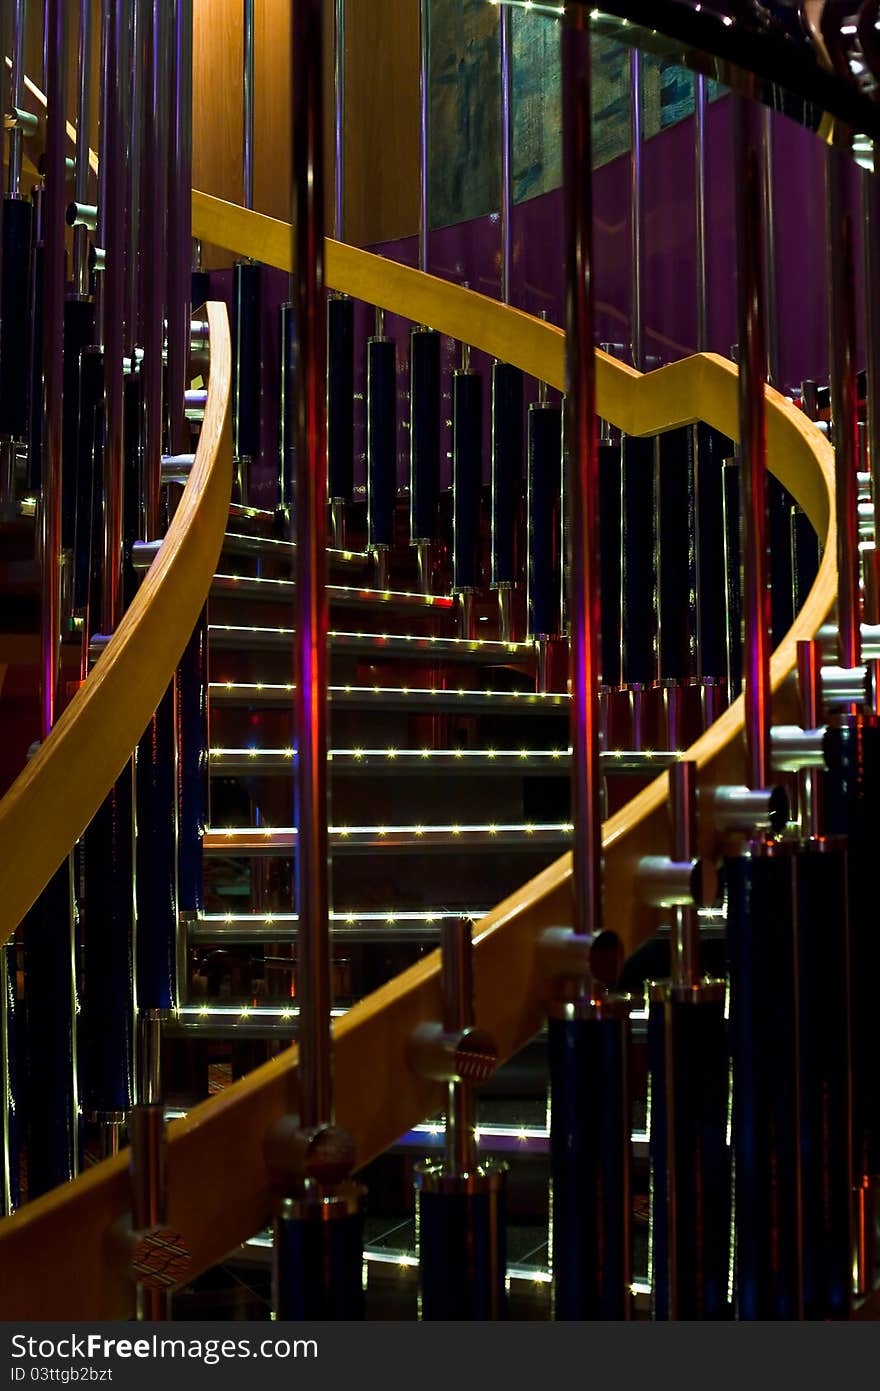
(54, 798)
(217, 1189)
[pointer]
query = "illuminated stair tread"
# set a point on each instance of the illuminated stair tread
(527, 762)
(257, 587)
(254, 840)
(395, 697)
(367, 925)
(232, 635)
(244, 543)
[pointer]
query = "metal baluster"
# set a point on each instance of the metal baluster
(381, 446)
(689, 1102)
(15, 236)
(588, 1030)
(760, 926)
(467, 487)
(460, 1201)
(247, 296)
(318, 1229)
(156, 881)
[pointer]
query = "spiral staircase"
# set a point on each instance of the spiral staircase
(450, 775)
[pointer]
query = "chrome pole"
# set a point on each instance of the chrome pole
(339, 120)
(154, 231)
(81, 184)
(16, 82)
(53, 356)
(248, 104)
(179, 220)
(111, 212)
(424, 130)
(844, 403)
(769, 250)
(700, 212)
(134, 130)
(635, 75)
(310, 436)
(506, 149)
(582, 477)
(753, 441)
(871, 216)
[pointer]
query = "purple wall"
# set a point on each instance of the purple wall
(470, 254)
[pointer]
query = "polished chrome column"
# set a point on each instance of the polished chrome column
(310, 434)
(339, 120)
(179, 221)
(133, 109)
(247, 113)
(700, 212)
(753, 440)
(53, 357)
(506, 26)
(16, 83)
(154, 231)
(81, 183)
(635, 77)
(582, 476)
(844, 403)
(110, 326)
(424, 130)
(769, 226)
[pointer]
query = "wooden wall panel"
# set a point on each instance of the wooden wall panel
(382, 120)
(382, 111)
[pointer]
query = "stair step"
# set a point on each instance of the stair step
(526, 762)
(366, 925)
(425, 700)
(240, 637)
(244, 543)
(339, 595)
(353, 840)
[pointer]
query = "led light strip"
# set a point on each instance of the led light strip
(417, 694)
(340, 591)
(259, 840)
(271, 543)
(390, 915)
(232, 759)
(415, 640)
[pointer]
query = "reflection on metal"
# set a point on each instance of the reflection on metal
(700, 212)
(635, 208)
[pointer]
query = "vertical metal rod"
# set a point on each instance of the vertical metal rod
(683, 810)
(635, 77)
(16, 80)
(770, 292)
(583, 473)
(753, 440)
(424, 114)
(179, 220)
(506, 20)
(134, 125)
(339, 120)
(310, 425)
(247, 112)
(458, 1010)
(113, 198)
(871, 215)
(700, 212)
(844, 403)
(53, 359)
(83, 114)
(153, 237)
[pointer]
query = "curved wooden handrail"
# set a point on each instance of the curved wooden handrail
(215, 1162)
(49, 805)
